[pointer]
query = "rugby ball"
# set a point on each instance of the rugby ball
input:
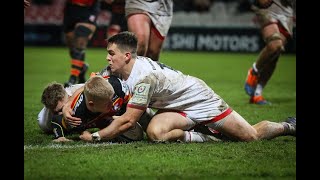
(133, 134)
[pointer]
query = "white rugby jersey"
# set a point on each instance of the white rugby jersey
(158, 86)
(71, 89)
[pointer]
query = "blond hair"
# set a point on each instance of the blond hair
(98, 89)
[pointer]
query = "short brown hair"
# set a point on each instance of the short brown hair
(126, 41)
(52, 94)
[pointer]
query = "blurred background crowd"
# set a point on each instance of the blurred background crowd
(228, 24)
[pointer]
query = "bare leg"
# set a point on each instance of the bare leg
(140, 25)
(169, 126)
(269, 130)
(155, 45)
(269, 55)
(237, 128)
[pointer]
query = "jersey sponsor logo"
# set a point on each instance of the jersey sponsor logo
(78, 103)
(141, 94)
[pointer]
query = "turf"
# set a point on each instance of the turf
(223, 72)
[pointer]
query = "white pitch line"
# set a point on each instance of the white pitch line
(62, 146)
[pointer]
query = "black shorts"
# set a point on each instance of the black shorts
(74, 14)
(119, 19)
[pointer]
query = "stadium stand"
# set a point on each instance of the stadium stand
(52, 14)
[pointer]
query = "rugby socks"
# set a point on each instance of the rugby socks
(191, 136)
(258, 91)
(255, 70)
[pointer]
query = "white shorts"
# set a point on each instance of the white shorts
(160, 12)
(276, 13)
(215, 123)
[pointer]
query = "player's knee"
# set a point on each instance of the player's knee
(82, 31)
(155, 134)
(274, 43)
(77, 53)
(247, 135)
(275, 46)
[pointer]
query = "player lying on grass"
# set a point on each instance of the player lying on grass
(96, 104)
(183, 101)
(146, 117)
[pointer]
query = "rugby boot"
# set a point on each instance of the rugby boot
(251, 82)
(258, 100)
(290, 126)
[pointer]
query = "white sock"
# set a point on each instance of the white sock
(191, 136)
(258, 90)
(255, 68)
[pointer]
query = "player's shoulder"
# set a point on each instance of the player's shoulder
(71, 89)
(120, 87)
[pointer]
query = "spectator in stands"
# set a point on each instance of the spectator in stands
(150, 21)
(276, 21)
(79, 25)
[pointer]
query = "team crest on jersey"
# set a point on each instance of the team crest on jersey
(141, 94)
(142, 89)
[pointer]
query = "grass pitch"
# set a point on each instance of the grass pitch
(225, 73)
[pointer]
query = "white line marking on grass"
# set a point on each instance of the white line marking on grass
(62, 146)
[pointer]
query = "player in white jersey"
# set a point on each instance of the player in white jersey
(183, 101)
(276, 19)
(150, 20)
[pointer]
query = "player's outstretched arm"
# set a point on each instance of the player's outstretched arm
(118, 126)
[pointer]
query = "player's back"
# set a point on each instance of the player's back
(167, 87)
